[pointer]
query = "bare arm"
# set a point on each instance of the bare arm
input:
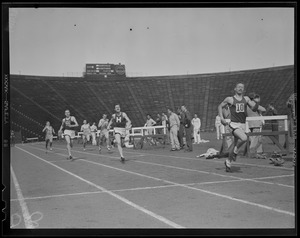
(226, 101)
(253, 105)
(44, 129)
(62, 125)
(110, 122)
(76, 123)
(128, 121)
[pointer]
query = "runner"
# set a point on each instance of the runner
(67, 130)
(121, 123)
(48, 129)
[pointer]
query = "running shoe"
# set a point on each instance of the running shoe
(122, 159)
(227, 165)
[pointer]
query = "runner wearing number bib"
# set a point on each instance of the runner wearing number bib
(238, 110)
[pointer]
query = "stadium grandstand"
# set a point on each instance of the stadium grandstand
(37, 99)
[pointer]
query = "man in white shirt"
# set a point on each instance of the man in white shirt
(174, 127)
(149, 122)
(196, 122)
(93, 133)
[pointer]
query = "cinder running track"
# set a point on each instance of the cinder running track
(154, 188)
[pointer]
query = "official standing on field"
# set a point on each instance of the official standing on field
(188, 127)
(174, 127)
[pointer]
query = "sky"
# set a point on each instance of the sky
(149, 41)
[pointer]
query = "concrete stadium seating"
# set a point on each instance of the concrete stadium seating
(43, 98)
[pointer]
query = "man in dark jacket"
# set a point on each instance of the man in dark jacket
(181, 128)
(187, 123)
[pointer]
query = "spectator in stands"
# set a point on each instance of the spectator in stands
(49, 135)
(188, 127)
(255, 126)
(150, 122)
(218, 126)
(93, 133)
(12, 138)
(174, 128)
(181, 128)
(271, 111)
(196, 122)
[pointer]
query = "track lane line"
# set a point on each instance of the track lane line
(193, 188)
(25, 212)
(152, 214)
(180, 168)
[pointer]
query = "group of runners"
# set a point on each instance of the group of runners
(121, 124)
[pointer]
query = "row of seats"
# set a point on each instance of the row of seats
(89, 99)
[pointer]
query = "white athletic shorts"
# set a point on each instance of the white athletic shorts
(70, 133)
(120, 130)
(50, 138)
(103, 133)
(237, 125)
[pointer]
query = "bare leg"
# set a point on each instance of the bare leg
(68, 140)
(118, 139)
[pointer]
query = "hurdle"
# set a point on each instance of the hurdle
(141, 133)
(271, 134)
(32, 139)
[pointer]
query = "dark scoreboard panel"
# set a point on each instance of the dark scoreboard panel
(105, 69)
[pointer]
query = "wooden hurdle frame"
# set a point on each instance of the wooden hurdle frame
(271, 134)
(136, 133)
(141, 134)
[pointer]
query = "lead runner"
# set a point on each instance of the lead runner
(238, 111)
(68, 127)
(120, 123)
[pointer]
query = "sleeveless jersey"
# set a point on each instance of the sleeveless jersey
(49, 131)
(103, 124)
(238, 110)
(119, 121)
(86, 129)
(67, 123)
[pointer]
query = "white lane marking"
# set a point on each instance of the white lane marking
(180, 168)
(202, 190)
(199, 171)
(215, 161)
(138, 188)
(25, 212)
(152, 214)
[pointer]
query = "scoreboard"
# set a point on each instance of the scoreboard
(105, 69)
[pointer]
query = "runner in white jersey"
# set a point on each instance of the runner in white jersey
(93, 133)
(121, 123)
(238, 111)
(104, 132)
(67, 130)
(48, 129)
(85, 128)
